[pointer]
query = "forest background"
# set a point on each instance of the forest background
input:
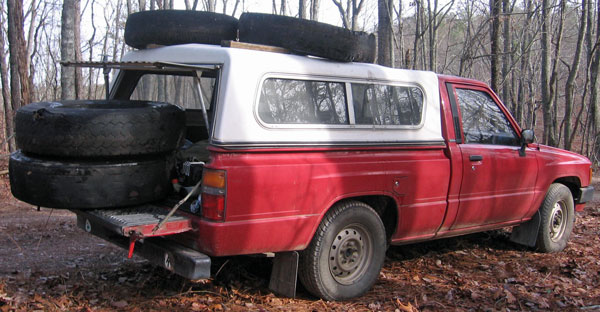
(540, 56)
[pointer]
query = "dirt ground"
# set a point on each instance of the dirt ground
(48, 264)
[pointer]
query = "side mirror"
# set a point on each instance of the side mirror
(527, 136)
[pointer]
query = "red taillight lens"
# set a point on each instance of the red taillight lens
(214, 184)
(213, 207)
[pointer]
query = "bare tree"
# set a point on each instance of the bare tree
(574, 68)
(19, 80)
(522, 86)
(545, 75)
(77, 47)
(349, 14)
(7, 106)
(314, 10)
(399, 11)
(594, 55)
(67, 48)
(435, 19)
(495, 6)
(302, 9)
(385, 47)
(210, 5)
(507, 56)
(280, 8)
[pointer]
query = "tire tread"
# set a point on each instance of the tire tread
(308, 271)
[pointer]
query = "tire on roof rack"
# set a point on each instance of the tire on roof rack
(88, 184)
(307, 37)
(170, 27)
(99, 128)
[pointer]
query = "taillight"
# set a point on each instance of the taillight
(214, 183)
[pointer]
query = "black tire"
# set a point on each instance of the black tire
(88, 184)
(307, 37)
(346, 254)
(170, 27)
(99, 128)
(557, 215)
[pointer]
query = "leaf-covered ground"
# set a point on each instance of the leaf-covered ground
(48, 264)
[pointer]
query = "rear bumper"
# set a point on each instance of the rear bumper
(587, 194)
(160, 251)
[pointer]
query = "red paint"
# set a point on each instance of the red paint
(275, 198)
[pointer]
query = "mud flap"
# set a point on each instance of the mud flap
(526, 233)
(284, 274)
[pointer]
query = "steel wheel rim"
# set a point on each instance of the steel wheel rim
(350, 254)
(558, 221)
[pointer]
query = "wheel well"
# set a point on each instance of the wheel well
(385, 207)
(573, 184)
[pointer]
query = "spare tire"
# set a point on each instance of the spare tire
(170, 27)
(99, 128)
(307, 37)
(88, 184)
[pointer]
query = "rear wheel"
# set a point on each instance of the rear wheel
(557, 217)
(346, 254)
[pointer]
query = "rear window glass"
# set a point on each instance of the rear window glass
(376, 104)
(288, 101)
(178, 90)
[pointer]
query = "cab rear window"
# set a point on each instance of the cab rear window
(377, 104)
(311, 102)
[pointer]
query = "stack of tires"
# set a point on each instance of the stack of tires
(300, 36)
(95, 154)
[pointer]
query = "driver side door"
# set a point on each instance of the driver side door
(497, 182)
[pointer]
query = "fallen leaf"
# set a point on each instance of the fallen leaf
(510, 298)
(119, 304)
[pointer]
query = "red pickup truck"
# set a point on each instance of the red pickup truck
(321, 163)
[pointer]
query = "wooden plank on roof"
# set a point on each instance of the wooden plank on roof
(252, 46)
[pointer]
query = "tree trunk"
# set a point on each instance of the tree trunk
(19, 80)
(211, 5)
(417, 33)
(302, 9)
(77, 47)
(30, 43)
(67, 50)
(283, 7)
(385, 47)
(432, 28)
(402, 60)
(524, 73)
(91, 87)
(507, 57)
(314, 10)
(495, 6)
(569, 87)
(545, 75)
(594, 71)
(7, 106)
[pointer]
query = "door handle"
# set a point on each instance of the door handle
(475, 157)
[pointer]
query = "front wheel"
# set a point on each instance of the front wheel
(557, 215)
(346, 254)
